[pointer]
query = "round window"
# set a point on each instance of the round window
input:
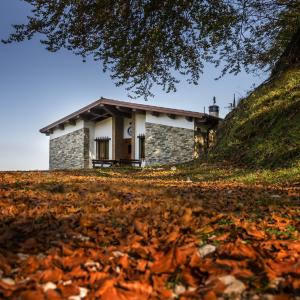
(129, 131)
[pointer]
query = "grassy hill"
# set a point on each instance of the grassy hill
(264, 130)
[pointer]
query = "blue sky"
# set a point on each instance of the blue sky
(38, 87)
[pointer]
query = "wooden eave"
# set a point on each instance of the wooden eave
(104, 108)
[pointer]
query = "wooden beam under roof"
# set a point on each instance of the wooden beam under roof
(85, 116)
(100, 117)
(72, 122)
(114, 112)
(97, 110)
(204, 121)
(139, 111)
(171, 116)
(155, 113)
(95, 113)
(130, 110)
(111, 110)
(123, 109)
(190, 119)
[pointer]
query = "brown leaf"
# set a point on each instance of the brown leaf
(107, 288)
(97, 276)
(32, 295)
(87, 221)
(187, 217)
(166, 263)
(52, 275)
(70, 262)
(141, 265)
(134, 290)
(140, 228)
(124, 261)
(182, 254)
(237, 250)
(222, 237)
(189, 279)
(252, 230)
(53, 295)
(195, 260)
(77, 272)
(159, 285)
(210, 295)
(68, 290)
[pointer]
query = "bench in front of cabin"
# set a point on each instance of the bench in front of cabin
(103, 162)
(131, 162)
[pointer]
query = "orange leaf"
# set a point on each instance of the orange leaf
(32, 295)
(187, 217)
(159, 285)
(195, 259)
(97, 276)
(135, 290)
(251, 229)
(210, 295)
(53, 275)
(222, 237)
(68, 290)
(189, 278)
(183, 253)
(141, 228)
(53, 295)
(166, 264)
(124, 261)
(124, 291)
(237, 250)
(77, 272)
(141, 265)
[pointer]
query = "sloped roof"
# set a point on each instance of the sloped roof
(104, 107)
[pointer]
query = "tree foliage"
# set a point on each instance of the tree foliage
(143, 42)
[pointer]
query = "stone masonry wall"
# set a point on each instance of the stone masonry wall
(168, 145)
(70, 151)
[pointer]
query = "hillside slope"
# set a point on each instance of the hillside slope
(264, 130)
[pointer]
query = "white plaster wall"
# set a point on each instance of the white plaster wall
(140, 120)
(68, 129)
(127, 123)
(163, 119)
(103, 129)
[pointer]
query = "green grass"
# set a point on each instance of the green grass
(264, 130)
(198, 171)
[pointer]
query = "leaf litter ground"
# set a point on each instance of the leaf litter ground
(120, 235)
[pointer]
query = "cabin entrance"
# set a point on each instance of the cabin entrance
(127, 149)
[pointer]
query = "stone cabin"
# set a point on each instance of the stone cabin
(110, 130)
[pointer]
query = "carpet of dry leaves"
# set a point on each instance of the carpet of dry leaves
(78, 235)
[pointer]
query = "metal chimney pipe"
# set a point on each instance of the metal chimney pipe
(214, 109)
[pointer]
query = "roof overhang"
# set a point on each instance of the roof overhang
(104, 108)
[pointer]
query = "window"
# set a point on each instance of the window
(102, 148)
(141, 138)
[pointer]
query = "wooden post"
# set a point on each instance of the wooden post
(117, 137)
(133, 116)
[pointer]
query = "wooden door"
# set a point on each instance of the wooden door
(126, 149)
